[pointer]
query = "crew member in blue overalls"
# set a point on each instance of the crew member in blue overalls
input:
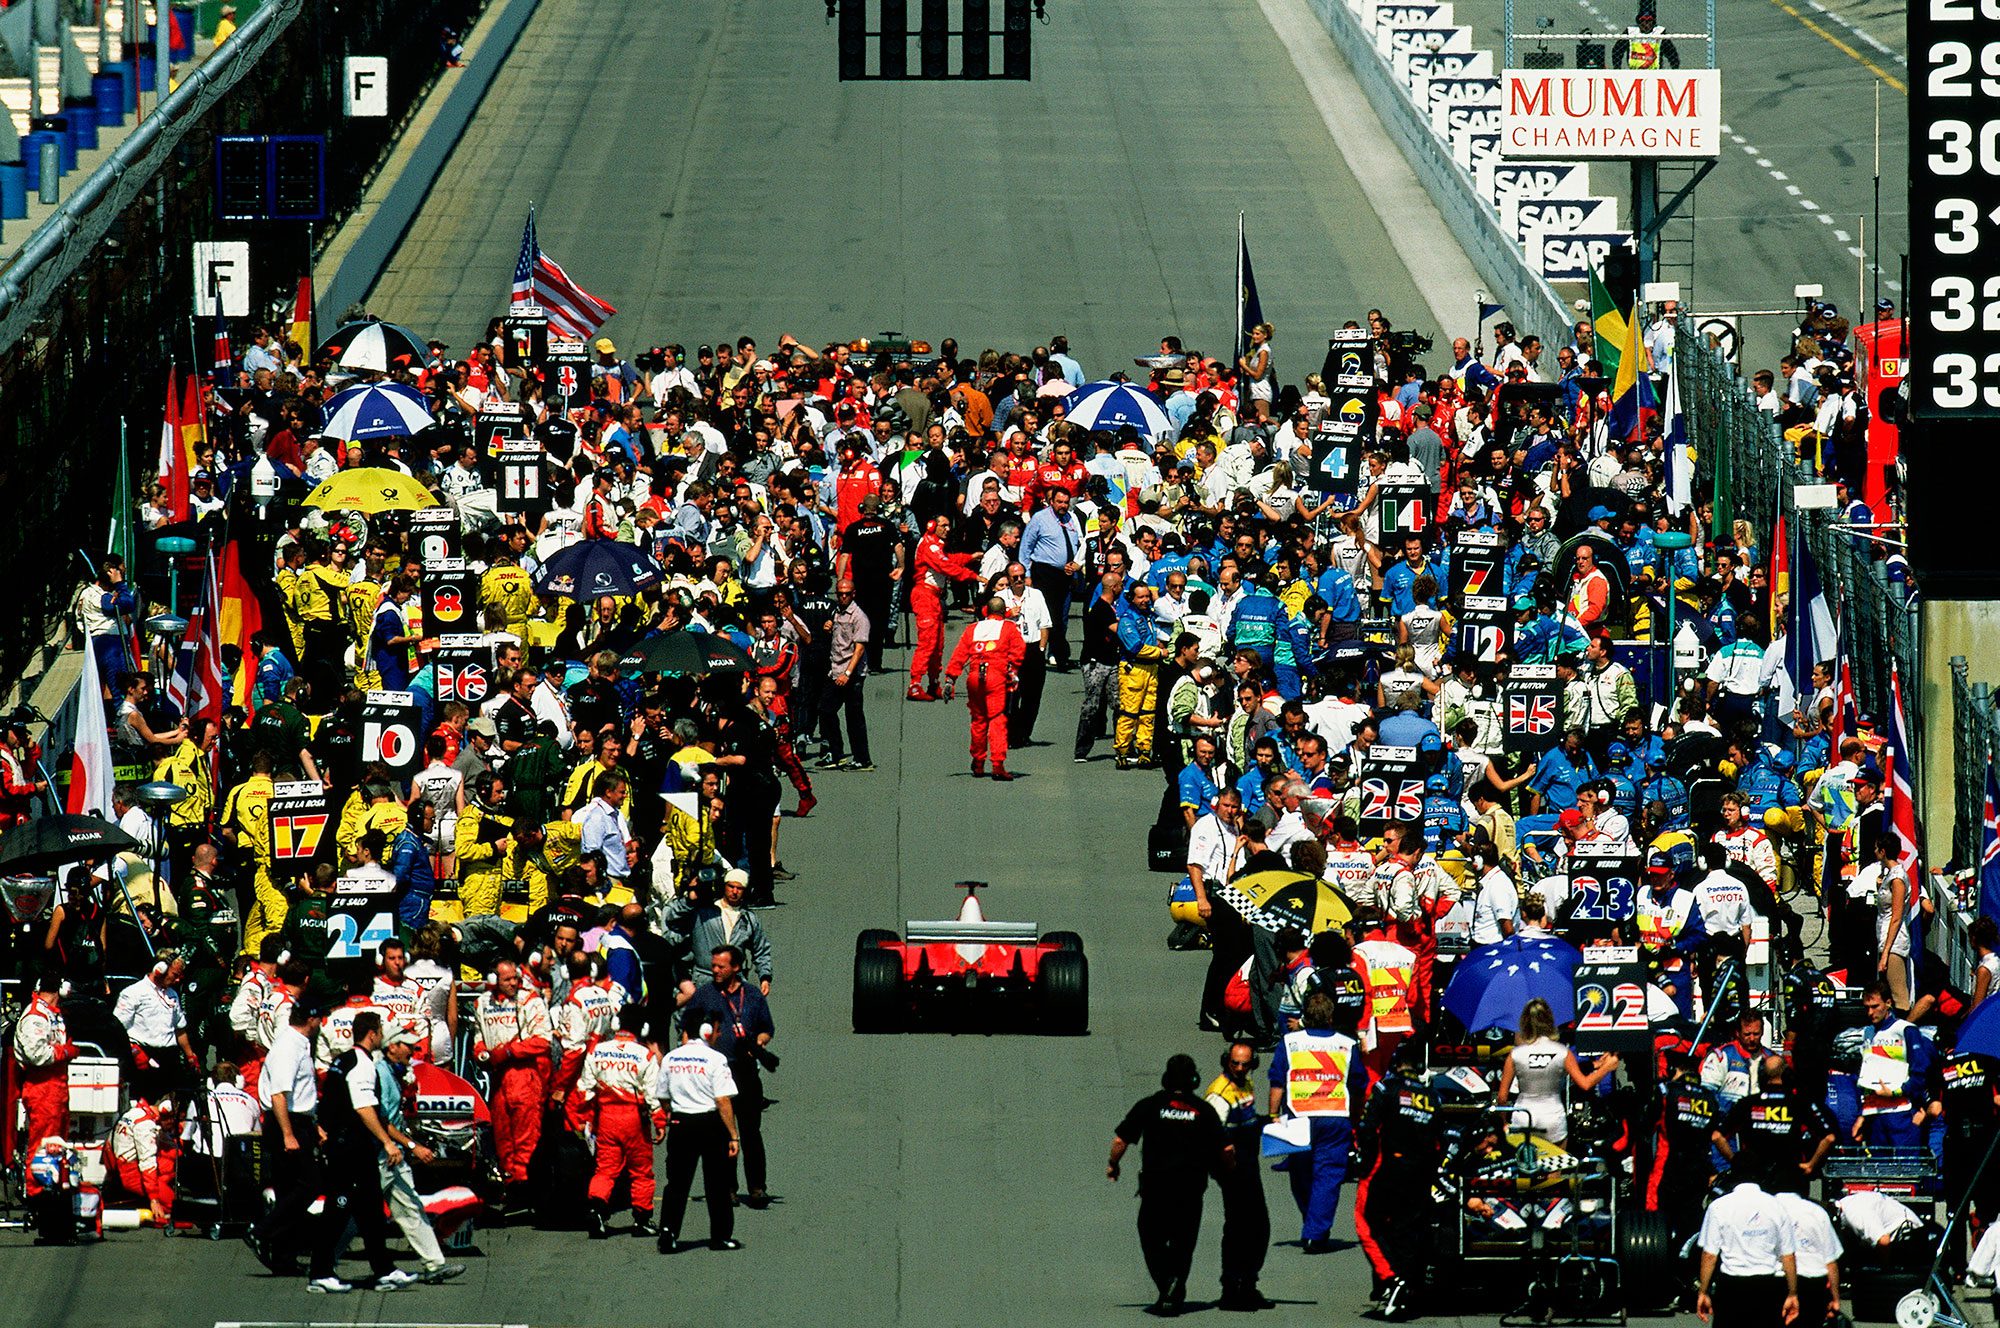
(1618, 766)
(1317, 1074)
(1444, 815)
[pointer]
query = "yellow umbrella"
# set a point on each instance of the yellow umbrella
(370, 489)
(1275, 900)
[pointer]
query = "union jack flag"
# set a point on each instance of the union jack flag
(1531, 714)
(539, 280)
(1902, 776)
(195, 688)
(1989, 849)
(223, 360)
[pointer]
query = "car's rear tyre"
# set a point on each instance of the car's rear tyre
(1067, 941)
(874, 938)
(1648, 1270)
(878, 992)
(1062, 993)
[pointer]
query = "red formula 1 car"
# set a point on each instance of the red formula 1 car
(968, 972)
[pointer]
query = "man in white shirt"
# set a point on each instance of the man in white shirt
(1748, 1259)
(1212, 847)
(1496, 908)
(698, 1090)
(134, 820)
(604, 829)
(1285, 797)
(150, 1010)
(673, 374)
(1723, 900)
(1816, 1248)
(289, 1094)
(1004, 551)
(1030, 612)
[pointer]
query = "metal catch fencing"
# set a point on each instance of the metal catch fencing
(1975, 737)
(1746, 471)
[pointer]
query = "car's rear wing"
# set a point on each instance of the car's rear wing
(950, 931)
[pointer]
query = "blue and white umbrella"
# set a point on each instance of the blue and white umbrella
(376, 410)
(1111, 406)
(1491, 985)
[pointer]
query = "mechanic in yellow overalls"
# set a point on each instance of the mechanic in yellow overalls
(290, 570)
(1139, 652)
(246, 827)
(372, 806)
(488, 853)
(507, 588)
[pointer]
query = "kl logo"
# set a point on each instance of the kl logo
(1531, 714)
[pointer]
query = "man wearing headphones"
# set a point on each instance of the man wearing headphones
(484, 844)
(1246, 1217)
(43, 1048)
(150, 1010)
(511, 1038)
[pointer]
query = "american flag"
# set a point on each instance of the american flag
(538, 279)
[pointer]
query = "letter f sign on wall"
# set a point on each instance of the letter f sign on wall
(366, 85)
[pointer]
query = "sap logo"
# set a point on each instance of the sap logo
(1573, 257)
(1405, 16)
(1564, 217)
(1457, 64)
(1465, 92)
(1473, 120)
(1426, 39)
(1531, 181)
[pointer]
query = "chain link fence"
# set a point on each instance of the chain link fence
(93, 358)
(1975, 737)
(1746, 471)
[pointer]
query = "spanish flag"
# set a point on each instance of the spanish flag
(300, 333)
(240, 618)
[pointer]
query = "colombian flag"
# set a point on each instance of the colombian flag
(1632, 398)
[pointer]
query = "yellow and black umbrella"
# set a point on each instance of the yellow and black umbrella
(1275, 900)
(370, 489)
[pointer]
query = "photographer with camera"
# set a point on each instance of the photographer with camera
(743, 1032)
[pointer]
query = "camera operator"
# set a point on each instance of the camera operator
(743, 1032)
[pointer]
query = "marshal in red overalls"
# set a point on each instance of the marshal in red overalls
(989, 654)
(43, 1050)
(933, 566)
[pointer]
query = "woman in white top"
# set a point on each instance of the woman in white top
(1425, 626)
(1406, 684)
(1985, 938)
(1281, 500)
(1890, 885)
(1255, 365)
(1535, 1070)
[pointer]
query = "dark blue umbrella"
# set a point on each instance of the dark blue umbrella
(594, 567)
(1981, 1030)
(1491, 984)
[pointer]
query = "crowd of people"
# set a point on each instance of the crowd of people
(576, 860)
